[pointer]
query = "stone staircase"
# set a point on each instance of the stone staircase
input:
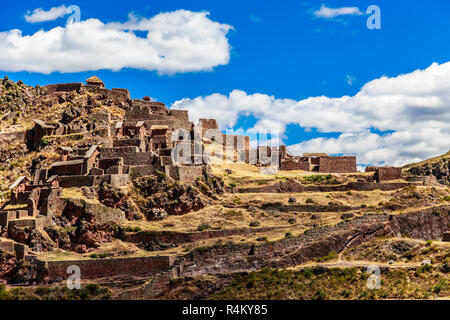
(152, 288)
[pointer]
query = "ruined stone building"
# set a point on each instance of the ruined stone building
(319, 162)
(149, 137)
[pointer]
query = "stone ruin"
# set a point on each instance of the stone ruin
(385, 173)
(319, 162)
(149, 138)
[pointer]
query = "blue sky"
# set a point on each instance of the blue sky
(281, 50)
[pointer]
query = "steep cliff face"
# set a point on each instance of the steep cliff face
(438, 167)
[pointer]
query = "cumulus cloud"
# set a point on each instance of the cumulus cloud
(40, 15)
(390, 121)
(176, 42)
(325, 12)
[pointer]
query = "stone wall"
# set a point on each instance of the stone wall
(33, 223)
(124, 92)
(101, 268)
(130, 155)
(18, 249)
(51, 203)
(107, 163)
(137, 113)
(337, 164)
(63, 87)
(91, 181)
(292, 186)
(67, 169)
(180, 238)
(119, 180)
(189, 173)
(7, 245)
(6, 216)
(115, 96)
(140, 143)
(20, 197)
(208, 124)
(446, 236)
(387, 173)
(180, 114)
(294, 164)
(141, 171)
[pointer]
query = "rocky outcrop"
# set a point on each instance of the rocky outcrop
(8, 265)
(83, 225)
(164, 193)
(35, 239)
(114, 197)
(439, 168)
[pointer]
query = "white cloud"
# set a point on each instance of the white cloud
(178, 41)
(413, 108)
(350, 79)
(325, 12)
(40, 15)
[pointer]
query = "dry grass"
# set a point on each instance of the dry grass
(16, 207)
(354, 198)
(76, 193)
(384, 250)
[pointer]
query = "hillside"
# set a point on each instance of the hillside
(96, 186)
(438, 167)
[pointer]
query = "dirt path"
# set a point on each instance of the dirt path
(358, 264)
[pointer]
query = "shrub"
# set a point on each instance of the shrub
(314, 178)
(331, 256)
(232, 213)
(237, 200)
(250, 284)
(320, 295)
(309, 200)
(203, 227)
(423, 269)
(440, 285)
(201, 250)
(44, 141)
(232, 185)
(255, 224)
